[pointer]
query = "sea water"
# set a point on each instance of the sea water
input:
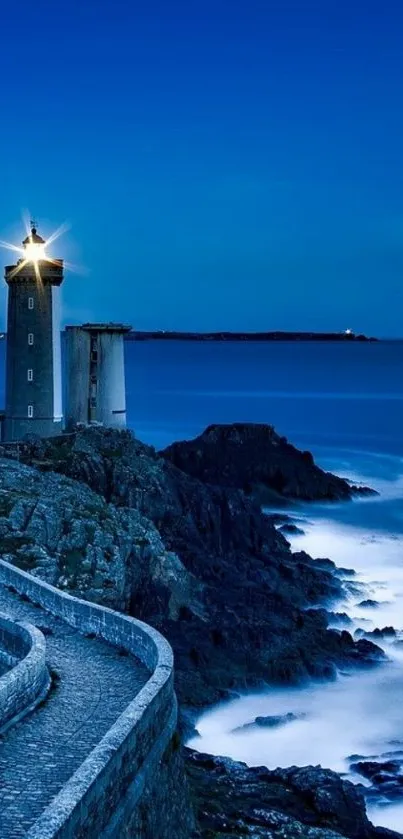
(344, 402)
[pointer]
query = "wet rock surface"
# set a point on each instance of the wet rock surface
(385, 774)
(368, 604)
(254, 458)
(270, 721)
(232, 799)
(386, 633)
(372, 769)
(291, 530)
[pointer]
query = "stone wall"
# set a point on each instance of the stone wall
(28, 679)
(105, 796)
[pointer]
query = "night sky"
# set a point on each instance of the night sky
(223, 165)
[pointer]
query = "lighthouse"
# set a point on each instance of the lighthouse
(33, 365)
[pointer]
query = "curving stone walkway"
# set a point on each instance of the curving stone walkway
(94, 685)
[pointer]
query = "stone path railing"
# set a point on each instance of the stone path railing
(128, 756)
(28, 679)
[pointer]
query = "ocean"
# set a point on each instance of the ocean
(343, 402)
(326, 396)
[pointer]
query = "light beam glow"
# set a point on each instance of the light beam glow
(33, 251)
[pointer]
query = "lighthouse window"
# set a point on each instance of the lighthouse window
(30, 411)
(30, 375)
(30, 302)
(30, 338)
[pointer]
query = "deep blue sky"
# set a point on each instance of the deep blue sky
(224, 164)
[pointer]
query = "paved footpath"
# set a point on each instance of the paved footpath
(38, 755)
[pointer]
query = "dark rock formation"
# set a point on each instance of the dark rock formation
(385, 775)
(376, 634)
(368, 604)
(279, 518)
(270, 721)
(370, 769)
(310, 802)
(340, 619)
(201, 563)
(291, 530)
(257, 460)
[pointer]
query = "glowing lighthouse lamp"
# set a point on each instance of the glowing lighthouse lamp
(33, 251)
(34, 247)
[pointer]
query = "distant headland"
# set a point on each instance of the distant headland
(162, 335)
(166, 335)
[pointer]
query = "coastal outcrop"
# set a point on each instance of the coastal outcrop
(232, 799)
(122, 525)
(254, 458)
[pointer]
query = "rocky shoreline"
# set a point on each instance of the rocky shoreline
(179, 539)
(234, 800)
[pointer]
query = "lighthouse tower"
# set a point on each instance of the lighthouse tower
(33, 367)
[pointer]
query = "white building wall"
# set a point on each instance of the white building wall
(111, 391)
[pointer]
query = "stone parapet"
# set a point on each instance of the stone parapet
(26, 681)
(94, 802)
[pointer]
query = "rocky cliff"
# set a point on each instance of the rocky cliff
(104, 515)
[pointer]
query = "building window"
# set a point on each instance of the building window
(30, 375)
(30, 411)
(30, 302)
(30, 338)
